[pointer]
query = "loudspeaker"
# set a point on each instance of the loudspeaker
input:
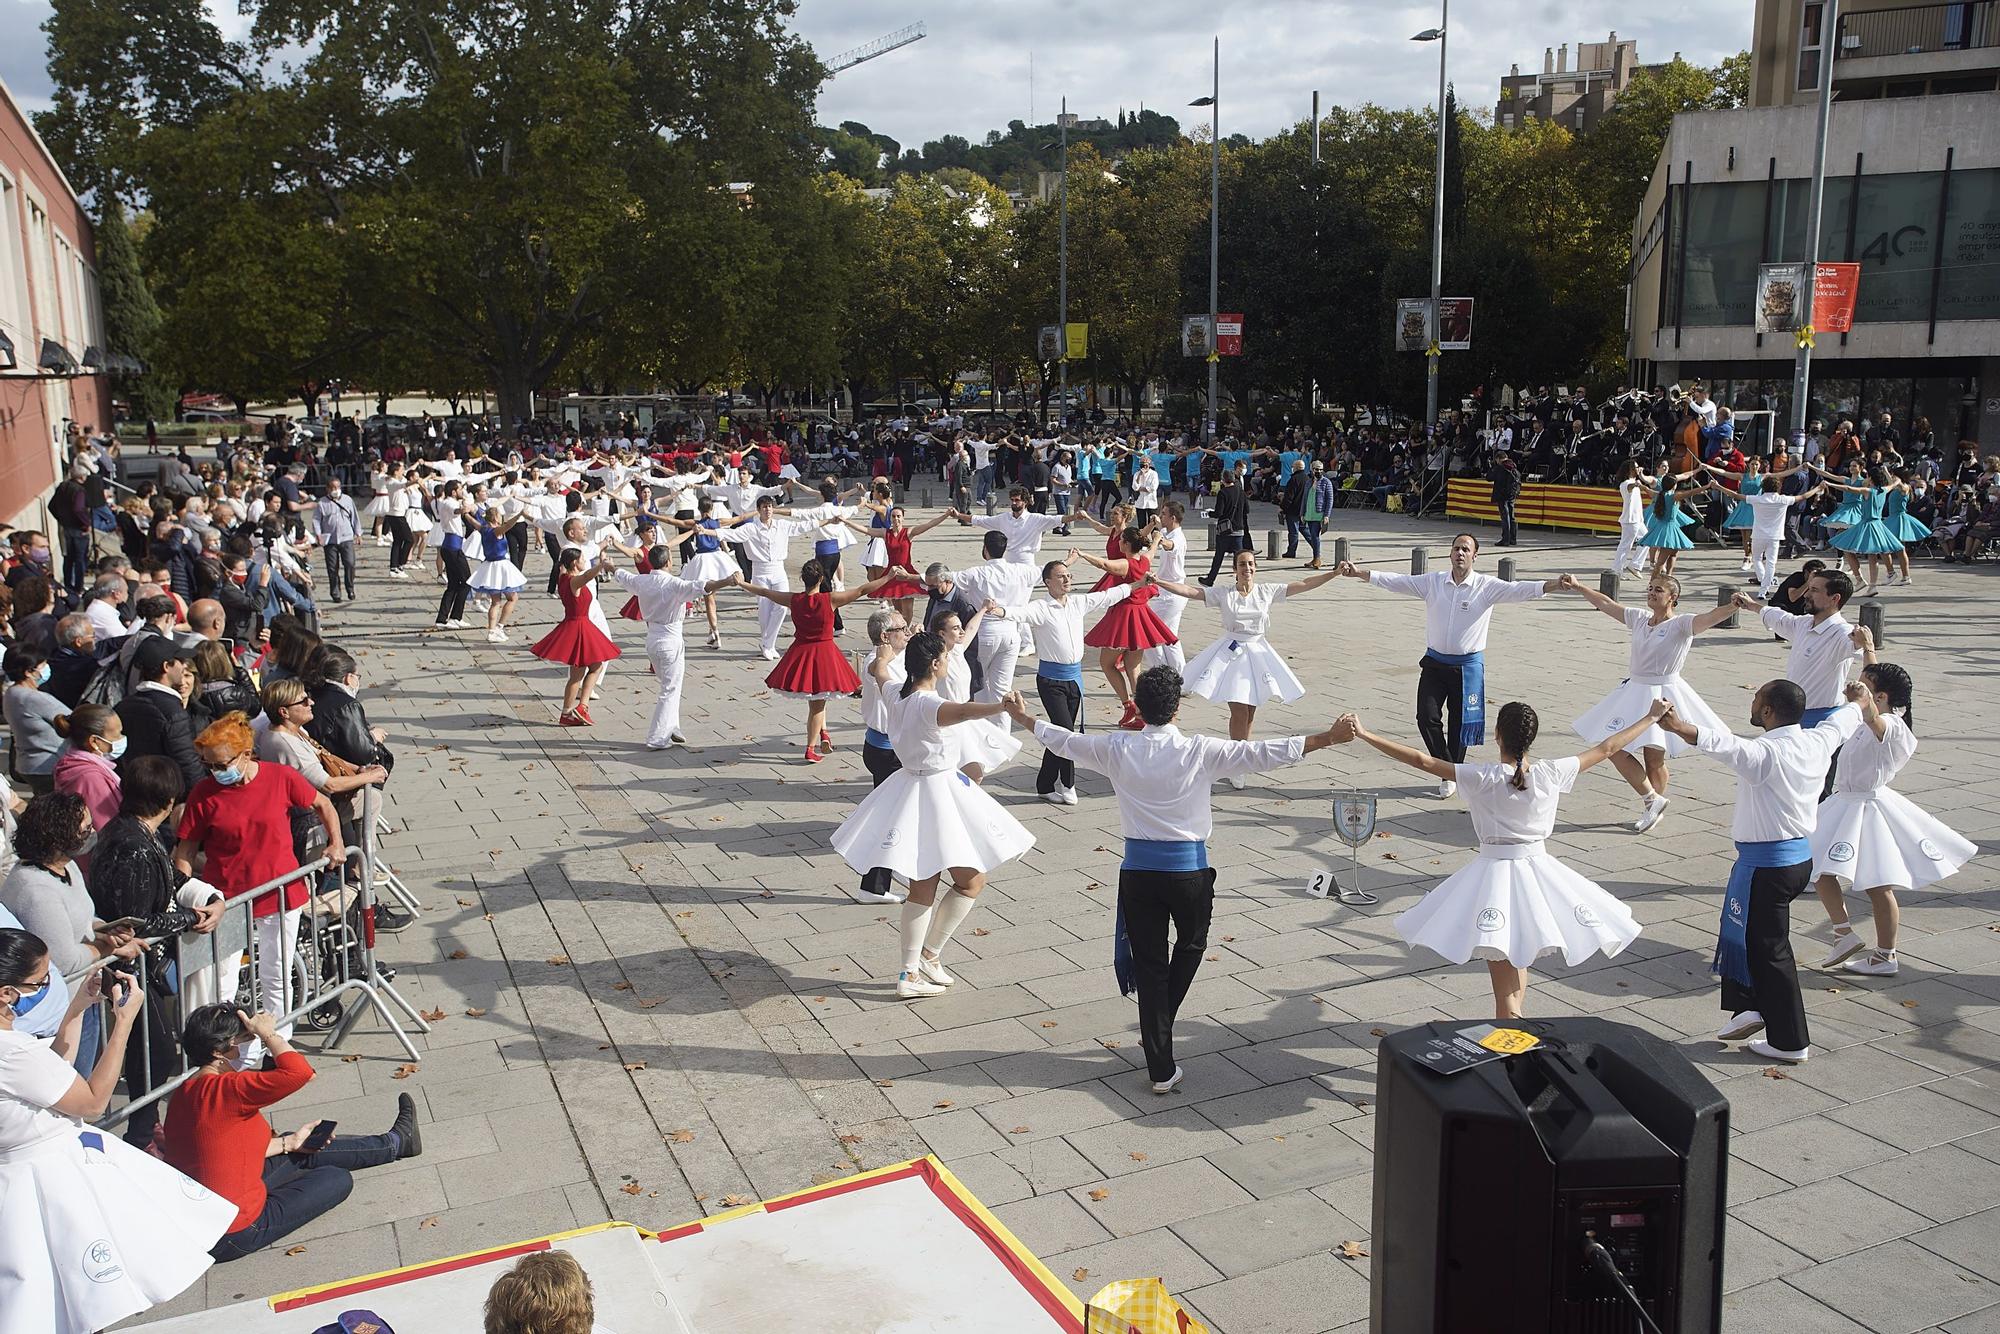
(1491, 1182)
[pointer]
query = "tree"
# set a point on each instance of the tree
(131, 318)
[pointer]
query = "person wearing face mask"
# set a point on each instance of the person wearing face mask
(337, 524)
(85, 768)
(155, 711)
(31, 714)
(339, 722)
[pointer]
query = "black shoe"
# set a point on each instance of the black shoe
(406, 1128)
(1206, 582)
(388, 917)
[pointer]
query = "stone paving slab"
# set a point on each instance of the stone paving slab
(660, 997)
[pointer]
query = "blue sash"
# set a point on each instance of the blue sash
(879, 740)
(1732, 949)
(1471, 693)
(1814, 717)
(1155, 854)
(1060, 671)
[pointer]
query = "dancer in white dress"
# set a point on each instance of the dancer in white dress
(1660, 644)
(1514, 902)
(984, 748)
(92, 1229)
(1871, 837)
(497, 578)
(927, 819)
(377, 508)
(1169, 567)
(1240, 668)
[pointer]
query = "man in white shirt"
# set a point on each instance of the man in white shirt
(663, 603)
(1458, 610)
(102, 609)
(1823, 649)
(1008, 584)
(1056, 626)
(767, 540)
(1024, 531)
(1769, 509)
(1163, 778)
(1777, 798)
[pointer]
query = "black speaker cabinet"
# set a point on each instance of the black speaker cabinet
(1489, 1182)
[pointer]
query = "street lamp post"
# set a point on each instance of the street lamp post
(1062, 277)
(1214, 101)
(1431, 324)
(1829, 47)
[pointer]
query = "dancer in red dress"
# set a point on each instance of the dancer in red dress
(630, 611)
(576, 641)
(1123, 516)
(896, 541)
(813, 668)
(1127, 629)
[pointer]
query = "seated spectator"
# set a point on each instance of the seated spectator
(96, 738)
(217, 1134)
(107, 597)
(544, 1293)
(75, 663)
(31, 714)
(35, 614)
(1982, 526)
(339, 723)
(221, 687)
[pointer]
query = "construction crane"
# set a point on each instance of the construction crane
(881, 46)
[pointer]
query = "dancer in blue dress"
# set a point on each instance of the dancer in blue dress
(1909, 531)
(708, 561)
(1664, 525)
(1848, 512)
(1867, 535)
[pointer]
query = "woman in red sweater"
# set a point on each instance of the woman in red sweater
(217, 1134)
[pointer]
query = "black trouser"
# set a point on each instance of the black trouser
(1150, 899)
(1774, 978)
(1063, 702)
(517, 545)
(458, 582)
(159, 1050)
(339, 568)
(1226, 546)
(1441, 691)
(1107, 495)
(1038, 500)
(399, 540)
(1508, 533)
(553, 545)
(76, 558)
(831, 565)
(881, 762)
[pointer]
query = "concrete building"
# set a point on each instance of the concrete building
(1912, 195)
(1575, 98)
(51, 320)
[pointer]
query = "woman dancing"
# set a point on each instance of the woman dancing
(1659, 650)
(1123, 516)
(983, 747)
(1867, 535)
(875, 558)
(498, 579)
(576, 642)
(1666, 529)
(1908, 529)
(1514, 902)
(377, 508)
(1125, 631)
(895, 540)
(813, 668)
(1870, 836)
(708, 561)
(1241, 668)
(926, 820)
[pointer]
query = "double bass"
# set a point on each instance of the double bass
(1686, 450)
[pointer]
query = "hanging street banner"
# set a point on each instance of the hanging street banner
(1781, 298)
(1048, 343)
(1834, 289)
(1196, 340)
(1076, 342)
(1229, 335)
(1454, 323)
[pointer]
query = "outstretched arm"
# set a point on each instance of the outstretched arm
(847, 595)
(782, 597)
(1395, 750)
(926, 526)
(1308, 585)
(1617, 741)
(1609, 606)
(1192, 592)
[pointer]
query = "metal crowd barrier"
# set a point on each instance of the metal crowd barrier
(328, 959)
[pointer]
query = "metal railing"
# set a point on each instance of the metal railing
(1919, 29)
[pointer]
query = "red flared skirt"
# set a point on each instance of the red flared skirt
(576, 643)
(900, 588)
(813, 669)
(1130, 625)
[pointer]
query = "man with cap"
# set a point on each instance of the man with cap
(1314, 508)
(155, 712)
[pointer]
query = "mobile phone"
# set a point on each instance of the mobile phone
(123, 924)
(322, 1136)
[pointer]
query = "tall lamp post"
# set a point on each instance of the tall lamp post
(1062, 270)
(1431, 327)
(1213, 100)
(1829, 47)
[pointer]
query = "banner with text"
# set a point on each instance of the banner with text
(1229, 335)
(1454, 323)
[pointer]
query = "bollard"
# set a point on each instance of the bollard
(1340, 556)
(1506, 569)
(1871, 619)
(1271, 545)
(1419, 560)
(1607, 584)
(989, 504)
(1211, 537)
(1723, 598)
(926, 494)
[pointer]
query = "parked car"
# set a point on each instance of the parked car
(371, 426)
(210, 415)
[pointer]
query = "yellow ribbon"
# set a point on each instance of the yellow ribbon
(1215, 356)
(1433, 351)
(1805, 337)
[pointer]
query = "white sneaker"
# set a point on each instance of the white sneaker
(496, 636)
(769, 655)
(1054, 798)
(1744, 1024)
(870, 896)
(442, 625)
(1447, 788)
(1656, 806)
(1746, 567)
(1770, 1053)
(1236, 781)
(454, 625)
(1171, 1082)
(659, 745)
(909, 988)
(1879, 963)
(933, 971)
(1068, 795)
(1846, 943)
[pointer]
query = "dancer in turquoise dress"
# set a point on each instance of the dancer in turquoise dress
(1664, 526)
(1909, 531)
(1867, 535)
(1751, 481)
(1848, 513)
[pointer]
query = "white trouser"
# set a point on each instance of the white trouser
(999, 646)
(668, 653)
(770, 615)
(1628, 544)
(1168, 607)
(1764, 561)
(276, 959)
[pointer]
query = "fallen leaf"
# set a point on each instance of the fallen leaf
(699, 1198)
(456, 954)
(635, 1065)
(654, 1003)
(403, 1072)
(981, 931)
(1018, 1130)
(432, 1016)
(1048, 1023)
(1390, 857)
(1772, 1072)
(349, 1060)
(1114, 1042)
(1378, 1032)
(1384, 835)
(1908, 1005)
(1211, 957)
(296, 1250)
(1136, 1156)
(465, 903)
(557, 960)
(942, 1103)
(604, 1046)
(885, 1083)
(737, 1201)
(1352, 1250)
(689, 913)
(621, 986)
(486, 917)
(850, 1139)
(1227, 939)
(428, 1222)
(1100, 1194)
(632, 1188)
(819, 1000)
(767, 894)
(1079, 1273)
(682, 1137)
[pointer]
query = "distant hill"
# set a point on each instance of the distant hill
(1009, 158)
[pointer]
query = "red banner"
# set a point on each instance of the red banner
(1228, 335)
(1834, 288)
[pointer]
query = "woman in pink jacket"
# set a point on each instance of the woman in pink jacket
(96, 739)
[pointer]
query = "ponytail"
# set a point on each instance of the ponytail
(1663, 503)
(1516, 731)
(1894, 682)
(920, 660)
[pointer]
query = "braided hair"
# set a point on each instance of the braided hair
(1894, 682)
(920, 659)
(1663, 503)
(1516, 731)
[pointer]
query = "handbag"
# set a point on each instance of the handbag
(309, 839)
(336, 766)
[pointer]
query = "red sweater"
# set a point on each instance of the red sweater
(217, 1134)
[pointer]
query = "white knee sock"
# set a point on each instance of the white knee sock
(916, 919)
(951, 910)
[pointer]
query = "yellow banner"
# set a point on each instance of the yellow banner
(1076, 342)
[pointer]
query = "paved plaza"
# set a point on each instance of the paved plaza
(659, 1000)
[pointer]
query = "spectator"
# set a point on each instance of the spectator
(155, 713)
(337, 524)
(71, 504)
(85, 767)
(31, 714)
(241, 603)
(288, 708)
(339, 723)
(217, 1134)
(220, 687)
(1970, 538)
(544, 1293)
(35, 614)
(106, 597)
(75, 661)
(1507, 490)
(139, 1228)
(158, 613)
(292, 647)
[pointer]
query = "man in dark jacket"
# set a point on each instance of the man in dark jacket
(75, 660)
(1292, 505)
(1506, 490)
(155, 713)
(1232, 523)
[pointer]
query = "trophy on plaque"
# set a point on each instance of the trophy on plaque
(1354, 821)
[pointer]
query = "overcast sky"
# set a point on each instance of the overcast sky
(971, 74)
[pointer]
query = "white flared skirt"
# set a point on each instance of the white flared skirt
(1242, 671)
(497, 578)
(1518, 909)
(877, 555)
(921, 825)
(376, 508)
(1868, 840)
(710, 565)
(1629, 702)
(985, 743)
(419, 521)
(95, 1232)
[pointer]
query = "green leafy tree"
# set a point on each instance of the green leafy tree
(131, 317)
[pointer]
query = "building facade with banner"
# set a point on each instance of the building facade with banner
(1912, 198)
(51, 320)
